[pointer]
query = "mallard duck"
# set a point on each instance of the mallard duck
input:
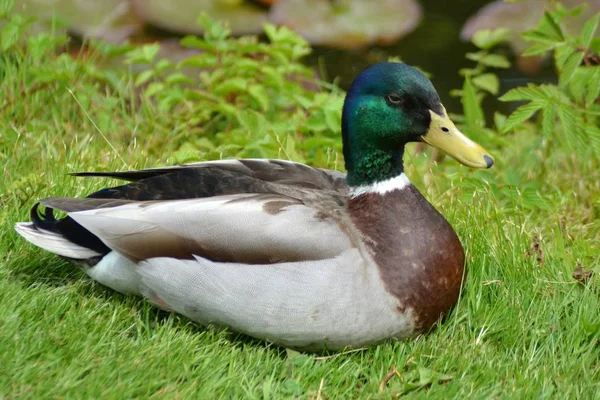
(303, 257)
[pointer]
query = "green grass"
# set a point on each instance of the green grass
(522, 329)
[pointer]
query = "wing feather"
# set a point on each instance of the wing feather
(237, 228)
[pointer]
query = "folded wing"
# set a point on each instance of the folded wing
(246, 228)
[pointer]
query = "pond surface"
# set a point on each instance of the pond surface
(435, 46)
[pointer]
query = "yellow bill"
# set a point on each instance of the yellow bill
(444, 135)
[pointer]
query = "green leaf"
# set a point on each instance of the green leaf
(213, 30)
(178, 78)
(531, 92)
(588, 31)
(259, 93)
(204, 60)
(486, 38)
(548, 118)
(490, 60)
(12, 31)
(571, 127)
(233, 85)
(521, 114)
(538, 48)
(499, 121)
(471, 105)
(593, 88)
(539, 38)
(144, 77)
(6, 7)
(332, 118)
(487, 82)
(195, 42)
(39, 45)
(593, 133)
(578, 84)
(562, 12)
(154, 88)
(568, 69)
(561, 54)
(253, 123)
(549, 25)
(315, 123)
(162, 64)
(144, 54)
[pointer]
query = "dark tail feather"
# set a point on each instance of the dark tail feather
(67, 227)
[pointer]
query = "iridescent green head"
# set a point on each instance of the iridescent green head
(389, 105)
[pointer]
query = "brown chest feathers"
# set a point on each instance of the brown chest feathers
(420, 258)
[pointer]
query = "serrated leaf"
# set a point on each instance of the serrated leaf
(561, 54)
(495, 61)
(487, 82)
(475, 56)
(259, 93)
(472, 109)
(571, 128)
(588, 31)
(568, 69)
(549, 25)
(538, 48)
(531, 92)
(548, 117)
(253, 123)
(486, 38)
(593, 133)
(552, 92)
(539, 37)
(593, 88)
(521, 114)
(578, 84)
(490, 60)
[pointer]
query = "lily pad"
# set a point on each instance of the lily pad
(348, 23)
(522, 16)
(110, 20)
(182, 15)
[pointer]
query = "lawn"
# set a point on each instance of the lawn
(524, 327)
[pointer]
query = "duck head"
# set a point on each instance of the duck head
(389, 105)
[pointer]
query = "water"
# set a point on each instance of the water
(434, 46)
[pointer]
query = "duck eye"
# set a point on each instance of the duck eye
(394, 99)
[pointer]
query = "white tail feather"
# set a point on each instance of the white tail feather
(53, 242)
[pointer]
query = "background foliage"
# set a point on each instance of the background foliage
(523, 327)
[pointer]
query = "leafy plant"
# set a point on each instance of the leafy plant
(573, 102)
(242, 97)
(548, 148)
(233, 97)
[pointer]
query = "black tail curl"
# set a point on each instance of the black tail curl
(67, 227)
